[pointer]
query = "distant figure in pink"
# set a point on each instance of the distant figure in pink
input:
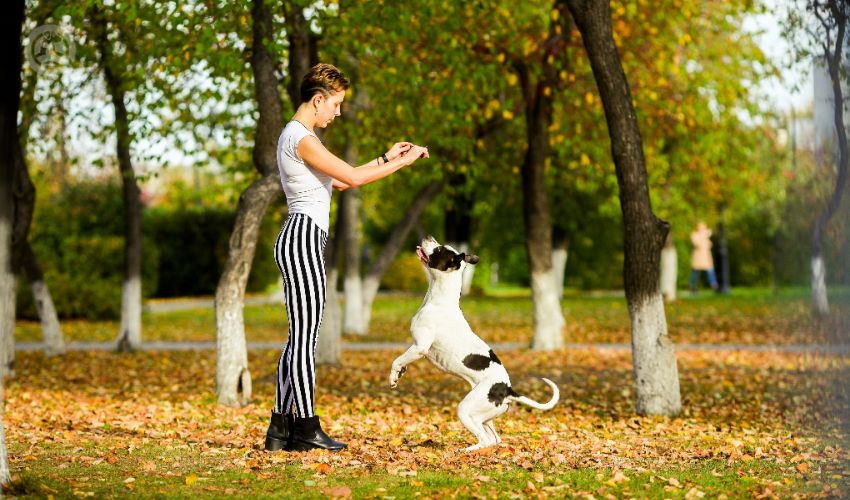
(701, 257)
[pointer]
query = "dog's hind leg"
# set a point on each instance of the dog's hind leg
(487, 418)
(491, 430)
(468, 412)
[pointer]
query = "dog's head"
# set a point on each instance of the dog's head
(442, 257)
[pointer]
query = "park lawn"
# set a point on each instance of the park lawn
(754, 424)
(747, 316)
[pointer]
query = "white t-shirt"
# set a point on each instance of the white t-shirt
(308, 191)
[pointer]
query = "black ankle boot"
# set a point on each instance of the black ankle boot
(307, 434)
(280, 431)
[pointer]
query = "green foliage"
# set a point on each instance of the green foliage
(193, 250)
(436, 73)
(77, 236)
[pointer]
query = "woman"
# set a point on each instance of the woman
(701, 259)
(308, 171)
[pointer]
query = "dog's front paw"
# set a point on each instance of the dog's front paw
(396, 374)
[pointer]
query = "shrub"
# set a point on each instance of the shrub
(193, 245)
(405, 274)
(78, 237)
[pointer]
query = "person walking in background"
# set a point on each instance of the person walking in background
(701, 259)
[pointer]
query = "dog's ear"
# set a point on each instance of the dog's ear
(470, 259)
(458, 258)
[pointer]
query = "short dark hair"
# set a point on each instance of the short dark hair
(322, 78)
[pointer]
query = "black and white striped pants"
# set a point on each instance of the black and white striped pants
(299, 254)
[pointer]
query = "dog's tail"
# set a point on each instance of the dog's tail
(540, 406)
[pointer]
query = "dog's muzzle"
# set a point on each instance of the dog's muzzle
(421, 253)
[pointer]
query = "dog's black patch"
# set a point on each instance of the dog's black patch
(444, 259)
(499, 392)
(480, 362)
(495, 358)
(476, 362)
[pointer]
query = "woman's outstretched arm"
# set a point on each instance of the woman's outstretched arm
(317, 156)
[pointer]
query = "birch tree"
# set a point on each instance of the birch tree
(130, 333)
(818, 32)
(653, 355)
(233, 378)
(24, 258)
(9, 153)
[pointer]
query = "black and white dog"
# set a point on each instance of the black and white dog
(441, 334)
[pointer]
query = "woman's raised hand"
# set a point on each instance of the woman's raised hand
(414, 153)
(397, 149)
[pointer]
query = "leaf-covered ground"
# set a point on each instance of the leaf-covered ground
(755, 424)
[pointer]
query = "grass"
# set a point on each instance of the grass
(212, 479)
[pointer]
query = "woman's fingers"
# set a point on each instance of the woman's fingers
(417, 152)
(399, 148)
(413, 153)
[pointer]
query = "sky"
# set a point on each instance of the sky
(781, 92)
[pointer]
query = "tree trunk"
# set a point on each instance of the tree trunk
(54, 341)
(349, 235)
(62, 164)
(725, 285)
(24, 258)
(548, 317)
(10, 61)
(372, 281)
(23, 199)
(834, 60)
(302, 49)
(560, 253)
(353, 284)
(655, 371)
(233, 379)
(8, 296)
(349, 221)
(23, 194)
(5, 476)
(458, 224)
(130, 335)
(329, 348)
(669, 270)
(820, 301)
